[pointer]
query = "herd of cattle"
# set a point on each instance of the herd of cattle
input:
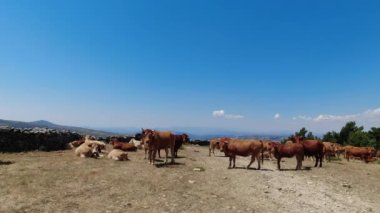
(153, 141)
(298, 147)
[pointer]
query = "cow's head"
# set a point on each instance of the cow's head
(185, 138)
(297, 139)
(147, 137)
(223, 145)
(95, 150)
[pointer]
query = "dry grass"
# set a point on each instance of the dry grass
(61, 182)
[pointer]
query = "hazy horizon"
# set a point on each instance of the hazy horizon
(237, 66)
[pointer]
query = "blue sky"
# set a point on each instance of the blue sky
(215, 64)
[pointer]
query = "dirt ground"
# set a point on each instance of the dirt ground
(61, 182)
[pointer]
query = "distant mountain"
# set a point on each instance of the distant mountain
(47, 124)
(203, 133)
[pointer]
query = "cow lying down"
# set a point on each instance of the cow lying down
(88, 150)
(118, 155)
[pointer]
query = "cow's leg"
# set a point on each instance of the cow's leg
(229, 166)
(234, 161)
(159, 153)
(250, 163)
(316, 160)
(145, 153)
(320, 160)
(258, 162)
(172, 153)
(278, 163)
(299, 162)
(166, 154)
(153, 157)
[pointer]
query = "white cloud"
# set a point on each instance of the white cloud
(218, 113)
(222, 114)
(277, 116)
(335, 117)
(372, 113)
(369, 114)
(302, 117)
(234, 116)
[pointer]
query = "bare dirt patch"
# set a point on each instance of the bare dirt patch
(61, 182)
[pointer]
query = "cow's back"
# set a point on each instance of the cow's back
(312, 147)
(288, 150)
(244, 147)
(164, 139)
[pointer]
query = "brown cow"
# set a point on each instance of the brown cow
(339, 149)
(243, 148)
(123, 146)
(311, 148)
(156, 140)
(364, 153)
(215, 144)
(179, 140)
(268, 148)
(328, 150)
(288, 151)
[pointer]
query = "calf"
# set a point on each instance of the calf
(244, 148)
(288, 150)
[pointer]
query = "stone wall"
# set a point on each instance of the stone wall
(19, 140)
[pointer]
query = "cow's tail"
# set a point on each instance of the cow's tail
(262, 152)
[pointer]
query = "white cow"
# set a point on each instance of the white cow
(87, 150)
(117, 154)
(136, 143)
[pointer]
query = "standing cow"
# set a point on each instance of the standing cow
(244, 148)
(215, 144)
(311, 148)
(179, 140)
(288, 150)
(155, 140)
(328, 150)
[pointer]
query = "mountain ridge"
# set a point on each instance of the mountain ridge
(50, 125)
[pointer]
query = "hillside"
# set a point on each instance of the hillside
(47, 124)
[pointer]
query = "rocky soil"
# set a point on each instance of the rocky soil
(60, 182)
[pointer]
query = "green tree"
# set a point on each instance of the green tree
(302, 132)
(331, 137)
(310, 136)
(346, 131)
(360, 138)
(374, 133)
